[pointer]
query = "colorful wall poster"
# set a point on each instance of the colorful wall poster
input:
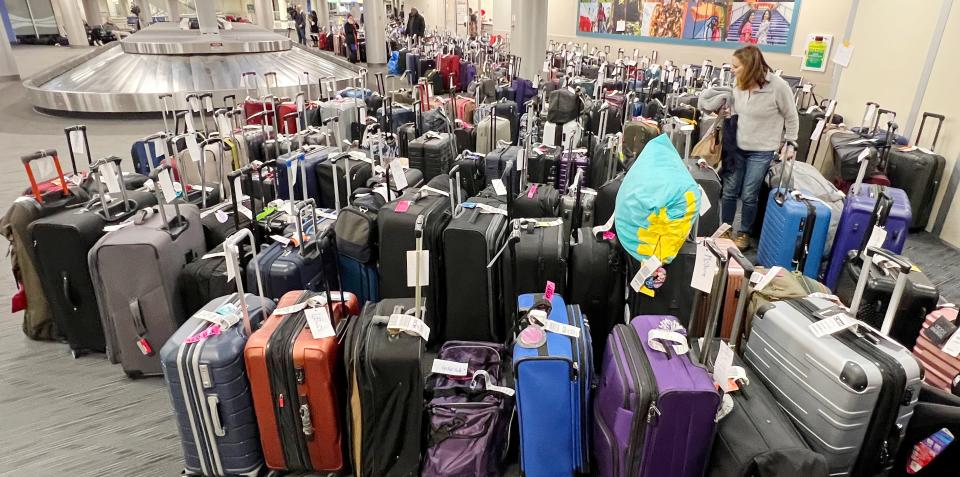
(816, 50)
(720, 23)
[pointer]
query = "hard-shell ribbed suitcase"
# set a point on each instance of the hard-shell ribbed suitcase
(941, 370)
(140, 311)
(553, 384)
(490, 132)
(918, 172)
(471, 240)
(61, 243)
(851, 394)
(433, 154)
(384, 409)
(295, 386)
(868, 206)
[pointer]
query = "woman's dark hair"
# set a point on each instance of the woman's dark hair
(753, 68)
(767, 15)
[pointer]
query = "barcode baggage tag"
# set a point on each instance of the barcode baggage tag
(188, 121)
(450, 368)
(649, 266)
(721, 365)
(877, 237)
(721, 230)
(167, 187)
(498, 187)
(223, 126)
(704, 201)
(233, 268)
(412, 268)
(833, 324)
(208, 103)
(281, 239)
(76, 142)
(238, 194)
(952, 347)
(193, 148)
(704, 269)
(319, 322)
(108, 174)
(159, 149)
(818, 130)
(409, 324)
(287, 310)
(399, 178)
(111, 228)
(561, 328)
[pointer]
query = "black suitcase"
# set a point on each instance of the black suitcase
(596, 282)
(496, 162)
(471, 173)
(506, 108)
(61, 243)
(540, 250)
(918, 172)
(433, 153)
(607, 199)
(920, 297)
(396, 224)
(384, 393)
(424, 65)
(675, 297)
(709, 180)
(470, 242)
(536, 200)
(542, 165)
(356, 166)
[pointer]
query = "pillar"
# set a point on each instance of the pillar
(73, 22)
(173, 11)
(91, 9)
(322, 7)
(375, 23)
(264, 11)
(145, 15)
(8, 64)
(528, 39)
(207, 18)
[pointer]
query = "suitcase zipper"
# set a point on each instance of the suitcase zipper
(646, 379)
(883, 434)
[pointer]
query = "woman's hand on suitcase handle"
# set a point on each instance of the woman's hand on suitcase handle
(904, 264)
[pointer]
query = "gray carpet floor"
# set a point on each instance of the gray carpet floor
(81, 417)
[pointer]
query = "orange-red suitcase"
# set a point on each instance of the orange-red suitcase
(941, 369)
(293, 378)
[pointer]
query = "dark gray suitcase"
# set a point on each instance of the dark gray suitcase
(709, 180)
(433, 154)
(852, 393)
(209, 390)
(541, 250)
(918, 172)
(134, 272)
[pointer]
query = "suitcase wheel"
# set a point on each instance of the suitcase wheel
(76, 353)
(134, 374)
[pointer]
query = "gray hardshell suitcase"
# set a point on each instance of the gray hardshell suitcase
(204, 370)
(490, 131)
(851, 394)
(134, 272)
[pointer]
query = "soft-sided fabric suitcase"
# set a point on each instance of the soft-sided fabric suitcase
(868, 206)
(553, 383)
(851, 394)
(141, 311)
(920, 296)
(918, 172)
(542, 165)
(535, 201)
(433, 154)
(540, 255)
(597, 277)
(305, 169)
(709, 180)
(351, 169)
(785, 285)
(295, 386)
(384, 392)
(670, 409)
(941, 370)
(205, 375)
(674, 297)
(471, 240)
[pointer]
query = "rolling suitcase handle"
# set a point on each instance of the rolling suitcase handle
(82, 130)
(232, 177)
(231, 246)
(95, 170)
(936, 136)
(312, 204)
(418, 292)
(893, 306)
(789, 151)
(346, 173)
(179, 224)
(52, 153)
(716, 301)
(454, 176)
(218, 158)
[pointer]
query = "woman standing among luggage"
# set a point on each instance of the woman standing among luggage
(766, 112)
(314, 28)
(351, 34)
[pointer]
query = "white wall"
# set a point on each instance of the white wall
(816, 16)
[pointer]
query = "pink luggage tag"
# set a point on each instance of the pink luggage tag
(402, 206)
(18, 301)
(548, 291)
(609, 235)
(144, 346)
(211, 331)
(532, 192)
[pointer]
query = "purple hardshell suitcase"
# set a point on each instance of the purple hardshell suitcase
(868, 205)
(571, 161)
(666, 424)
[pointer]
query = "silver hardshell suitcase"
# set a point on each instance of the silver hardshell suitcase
(134, 272)
(851, 393)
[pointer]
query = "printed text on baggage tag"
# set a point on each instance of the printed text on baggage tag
(409, 324)
(412, 268)
(704, 269)
(450, 368)
(319, 322)
(562, 329)
(704, 201)
(498, 187)
(166, 186)
(833, 324)
(649, 266)
(76, 142)
(768, 277)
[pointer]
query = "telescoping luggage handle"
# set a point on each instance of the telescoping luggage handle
(231, 248)
(936, 136)
(232, 177)
(179, 224)
(51, 153)
(95, 170)
(79, 133)
(789, 153)
(717, 293)
(304, 205)
(893, 306)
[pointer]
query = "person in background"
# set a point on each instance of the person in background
(416, 26)
(601, 19)
(764, 31)
(403, 16)
(472, 25)
(746, 30)
(351, 33)
(766, 112)
(314, 28)
(135, 10)
(301, 23)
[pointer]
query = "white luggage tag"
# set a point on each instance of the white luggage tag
(408, 324)
(833, 320)
(667, 338)
(488, 385)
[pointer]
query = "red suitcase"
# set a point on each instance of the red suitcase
(294, 387)
(449, 66)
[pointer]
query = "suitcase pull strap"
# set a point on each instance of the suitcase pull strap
(893, 307)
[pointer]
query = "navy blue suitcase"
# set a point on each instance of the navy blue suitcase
(553, 393)
(361, 279)
(794, 233)
(308, 160)
(413, 64)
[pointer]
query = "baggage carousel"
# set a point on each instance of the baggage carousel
(129, 76)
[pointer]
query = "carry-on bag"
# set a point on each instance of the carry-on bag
(294, 380)
(702, 305)
(918, 171)
(940, 364)
(810, 182)
(783, 285)
(351, 169)
(141, 311)
(597, 272)
(794, 228)
(553, 373)
(469, 413)
(61, 243)
(538, 250)
(205, 375)
(851, 393)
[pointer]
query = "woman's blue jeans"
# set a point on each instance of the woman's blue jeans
(742, 180)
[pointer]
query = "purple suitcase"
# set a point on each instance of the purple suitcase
(654, 412)
(866, 205)
(570, 162)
